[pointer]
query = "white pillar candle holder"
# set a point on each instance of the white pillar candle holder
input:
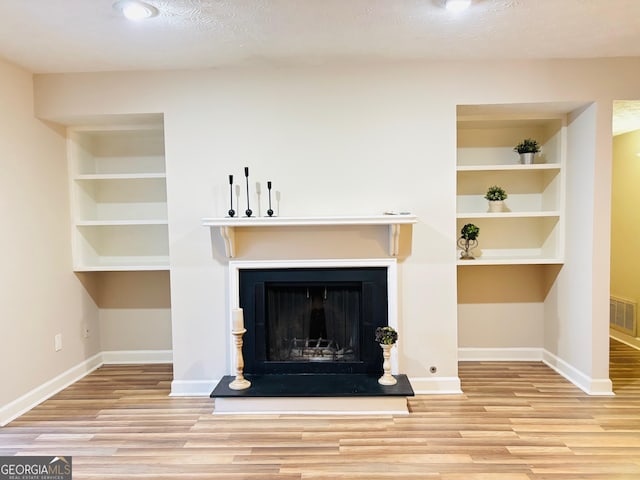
(386, 378)
(238, 330)
(240, 383)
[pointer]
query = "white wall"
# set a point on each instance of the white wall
(39, 294)
(350, 140)
(570, 329)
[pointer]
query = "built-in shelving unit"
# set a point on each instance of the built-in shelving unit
(119, 199)
(227, 226)
(531, 230)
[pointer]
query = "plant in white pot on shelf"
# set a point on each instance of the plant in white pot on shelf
(496, 196)
(468, 241)
(387, 338)
(527, 150)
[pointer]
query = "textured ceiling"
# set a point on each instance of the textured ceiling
(626, 116)
(46, 36)
(90, 35)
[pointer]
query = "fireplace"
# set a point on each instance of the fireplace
(313, 319)
(309, 345)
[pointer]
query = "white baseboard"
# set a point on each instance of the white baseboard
(192, 388)
(628, 340)
(522, 354)
(136, 356)
(184, 388)
(435, 385)
(592, 386)
(584, 382)
(42, 392)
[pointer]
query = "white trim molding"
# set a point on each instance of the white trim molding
(591, 386)
(521, 354)
(435, 385)
(31, 399)
(390, 264)
(192, 388)
(119, 357)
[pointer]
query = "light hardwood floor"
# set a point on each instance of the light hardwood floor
(515, 421)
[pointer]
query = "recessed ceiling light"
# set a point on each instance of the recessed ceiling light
(135, 10)
(457, 5)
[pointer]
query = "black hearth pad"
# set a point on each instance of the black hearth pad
(314, 385)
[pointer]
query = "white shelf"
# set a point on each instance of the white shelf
(472, 215)
(531, 230)
(111, 223)
(228, 225)
(515, 260)
(127, 198)
(309, 221)
(125, 265)
(518, 167)
(517, 236)
(120, 176)
(115, 243)
(119, 198)
(117, 149)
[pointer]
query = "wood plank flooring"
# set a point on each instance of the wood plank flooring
(515, 421)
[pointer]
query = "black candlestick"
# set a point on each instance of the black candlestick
(269, 212)
(246, 175)
(232, 212)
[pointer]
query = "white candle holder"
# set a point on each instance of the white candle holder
(387, 378)
(240, 383)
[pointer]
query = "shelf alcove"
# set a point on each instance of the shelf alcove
(118, 195)
(506, 294)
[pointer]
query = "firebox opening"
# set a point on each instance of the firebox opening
(313, 320)
(313, 323)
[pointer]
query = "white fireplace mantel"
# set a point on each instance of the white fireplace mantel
(227, 226)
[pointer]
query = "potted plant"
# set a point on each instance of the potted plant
(386, 335)
(496, 196)
(527, 150)
(468, 240)
(387, 338)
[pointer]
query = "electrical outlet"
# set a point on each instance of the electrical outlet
(58, 342)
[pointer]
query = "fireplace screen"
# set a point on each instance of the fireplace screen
(314, 323)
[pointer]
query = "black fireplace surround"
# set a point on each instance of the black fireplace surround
(313, 320)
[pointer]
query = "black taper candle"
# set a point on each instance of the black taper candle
(269, 212)
(246, 175)
(232, 212)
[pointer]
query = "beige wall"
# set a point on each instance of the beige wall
(358, 140)
(625, 227)
(39, 294)
(135, 310)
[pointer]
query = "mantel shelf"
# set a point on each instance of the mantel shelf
(228, 225)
